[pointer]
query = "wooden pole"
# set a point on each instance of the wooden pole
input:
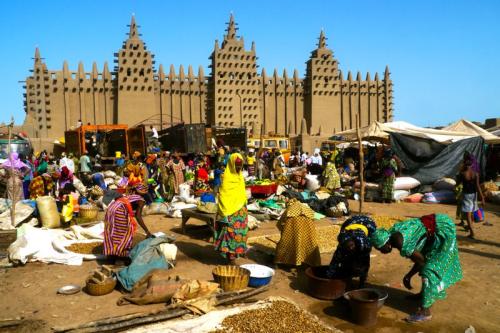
(12, 177)
(361, 166)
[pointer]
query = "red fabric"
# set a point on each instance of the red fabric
(130, 212)
(202, 174)
(429, 222)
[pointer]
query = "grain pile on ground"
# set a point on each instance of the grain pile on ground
(278, 317)
(385, 221)
(86, 248)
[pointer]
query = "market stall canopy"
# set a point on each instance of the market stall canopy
(466, 126)
(378, 130)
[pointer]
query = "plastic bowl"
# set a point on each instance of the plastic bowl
(260, 275)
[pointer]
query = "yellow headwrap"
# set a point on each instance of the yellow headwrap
(232, 194)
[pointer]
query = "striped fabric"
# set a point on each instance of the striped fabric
(120, 226)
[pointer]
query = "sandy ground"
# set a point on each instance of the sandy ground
(29, 292)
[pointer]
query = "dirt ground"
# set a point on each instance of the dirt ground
(29, 292)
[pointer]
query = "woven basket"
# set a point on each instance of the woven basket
(99, 289)
(88, 212)
(231, 278)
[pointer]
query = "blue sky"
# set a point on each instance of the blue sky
(444, 56)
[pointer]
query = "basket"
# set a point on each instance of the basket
(99, 289)
(88, 212)
(231, 278)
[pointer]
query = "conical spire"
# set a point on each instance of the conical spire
(263, 73)
(253, 46)
(231, 28)
(303, 126)
(37, 54)
(105, 72)
(349, 76)
(161, 73)
(216, 46)
(386, 72)
(171, 73)
(201, 74)
(368, 76)
(190, 72)
(322, 40)
(376, 77)
(133, 29)
(81, 71)
(95, 73)
(295, 75)
(358, 76)
(181, 73)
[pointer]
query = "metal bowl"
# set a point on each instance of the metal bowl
(70, 289)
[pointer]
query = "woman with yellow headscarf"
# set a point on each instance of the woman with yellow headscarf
(231, 227)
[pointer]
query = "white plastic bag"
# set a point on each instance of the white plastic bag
(312, 183)
(405, 183)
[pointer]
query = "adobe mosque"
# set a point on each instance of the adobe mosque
(234, 94)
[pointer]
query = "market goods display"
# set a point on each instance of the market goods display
(278, 317)
(88, 211)
(86, 248)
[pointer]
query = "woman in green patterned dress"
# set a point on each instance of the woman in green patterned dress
(389, 167)
(430, 242)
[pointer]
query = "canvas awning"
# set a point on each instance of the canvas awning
(467, 127)
(378, 130)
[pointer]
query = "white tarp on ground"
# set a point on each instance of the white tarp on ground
(37, 244)
(467, 127)
(381, 131)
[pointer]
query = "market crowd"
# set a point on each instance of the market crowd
(222, 176)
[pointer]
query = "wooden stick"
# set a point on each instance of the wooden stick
(361, 165)
(171, 311)
(12, 177)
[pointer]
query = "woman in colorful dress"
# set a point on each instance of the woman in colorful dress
(389, 168)
(176, 169)
(330, 174)
(120, 222)
(430, 242)
(41, 186)
(66, 177)
(201, 183)
(15, 172)
(231, 227)
(352, 256)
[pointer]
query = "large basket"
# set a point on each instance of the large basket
(231, 278)
(88, 212)
(99, 289)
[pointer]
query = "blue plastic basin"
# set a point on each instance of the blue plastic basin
(260, 275)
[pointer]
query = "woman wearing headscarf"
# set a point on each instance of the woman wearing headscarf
(120, 221)
(201, 183)
(330, 175)
(299, 239)
(176, 169)
(389, 168)
(430, 242)
(316, 166)
(231, 227)
(352, 256)
(16, 170)
(40, 186)
(66, 177)
(137, 170)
